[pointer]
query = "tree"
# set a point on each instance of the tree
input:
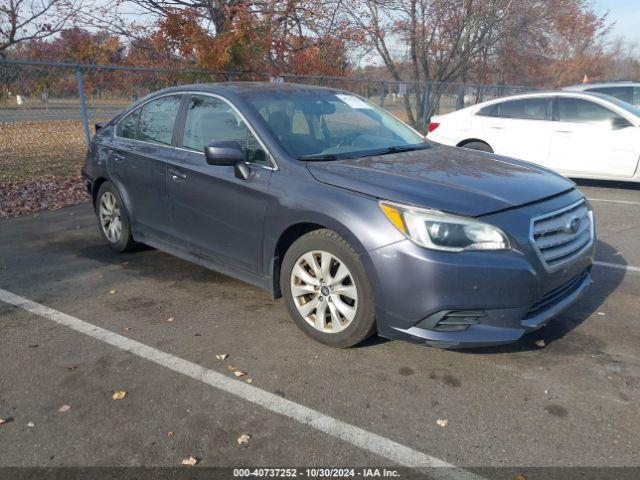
(293, 36)
(25, 20)
(488, 40)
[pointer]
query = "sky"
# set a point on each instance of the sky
(626, 15)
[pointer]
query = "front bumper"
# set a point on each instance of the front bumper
(506, 294)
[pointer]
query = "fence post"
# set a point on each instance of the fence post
(425, 104)
(83, 105)
(383, 93)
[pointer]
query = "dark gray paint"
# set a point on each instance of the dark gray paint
(213, 218)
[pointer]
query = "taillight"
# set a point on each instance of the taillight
(433, 126)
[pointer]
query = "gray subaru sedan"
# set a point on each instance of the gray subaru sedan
(360, 224)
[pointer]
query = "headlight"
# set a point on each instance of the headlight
(442, 231)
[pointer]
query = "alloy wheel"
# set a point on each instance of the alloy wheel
(110, 219)
(324, 291)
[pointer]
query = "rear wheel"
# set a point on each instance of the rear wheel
(113, 219)
(326, 290)
(483, 147)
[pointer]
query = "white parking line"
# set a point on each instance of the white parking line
(628, 268)
(624, 202)
(356, 436)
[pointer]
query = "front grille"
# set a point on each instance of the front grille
(562, 235)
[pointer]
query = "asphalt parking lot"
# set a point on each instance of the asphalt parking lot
(573, 402)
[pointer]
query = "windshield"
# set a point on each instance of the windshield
(322, 125)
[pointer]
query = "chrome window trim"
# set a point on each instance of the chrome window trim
(270, 157)
(551, 268)
(139, 107)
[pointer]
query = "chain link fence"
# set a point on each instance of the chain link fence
(35, 91)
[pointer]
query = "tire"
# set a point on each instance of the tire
(116, 231)
(483, 147)
(344, 301)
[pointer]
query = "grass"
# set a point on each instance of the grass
(40, 164)
(29, 150)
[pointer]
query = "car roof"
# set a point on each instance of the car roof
(240, 88)
(538, 93)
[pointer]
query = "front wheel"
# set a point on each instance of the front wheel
(326, 290)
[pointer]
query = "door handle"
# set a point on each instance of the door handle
(176, 175)
(496, 127)
(564, 132)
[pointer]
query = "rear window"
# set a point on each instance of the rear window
(489, 111)
(525, 109)
(157, 119)
(127, 127)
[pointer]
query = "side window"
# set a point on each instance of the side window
(621, 93)
(157, 119)
(126, 128)
(212, 120)
(576, 110)
(525, 109)
(489, 111)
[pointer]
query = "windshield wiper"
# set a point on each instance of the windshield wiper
(398, 149)
(326, 156)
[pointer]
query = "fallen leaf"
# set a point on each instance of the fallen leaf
(2, 420)
(601, 313)
(72, 367)
(170, 319)
(124, 264)
(239, 373)
(249, 380)
(64, 408)
(31, 424)
(126, 329)
(191, 461)
(442, 423)
(113, 292)
(169, 434)
(222, 356)
(231, 367)
(243, 439)
(540, 343)
(520, 476)
(119, 394)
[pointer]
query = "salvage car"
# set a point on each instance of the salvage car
(327, 200)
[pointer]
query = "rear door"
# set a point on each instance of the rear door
(214, 213)
(584, 142)
(142, 147)
(520, 128)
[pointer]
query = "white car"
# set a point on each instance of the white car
(578, 134)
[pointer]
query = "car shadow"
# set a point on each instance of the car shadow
(572, 318)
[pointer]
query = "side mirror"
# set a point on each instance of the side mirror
(223, 153)
(618, 123)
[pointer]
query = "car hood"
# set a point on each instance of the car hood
(455, 180)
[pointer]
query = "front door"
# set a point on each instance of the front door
(215, 213)
(584, 140)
